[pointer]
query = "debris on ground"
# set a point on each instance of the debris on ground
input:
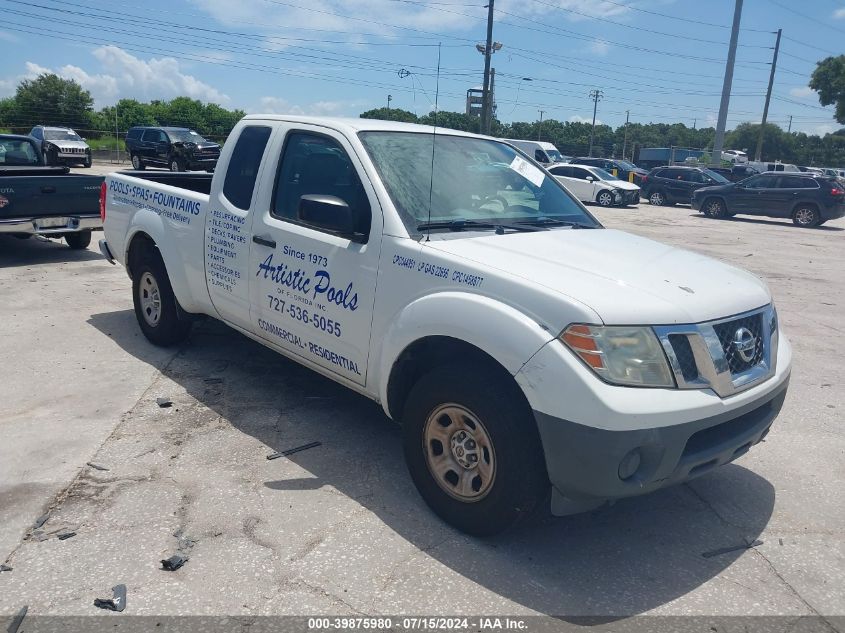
(17, 620)
(65, 535)
(734, 548)
(116, 603)
(38, 535)
(5, 568)
(164, 403)
(95, 466)
(174, 562)
(40, 521)
(291, 451)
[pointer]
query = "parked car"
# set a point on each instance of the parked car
(591, 184)
(763, 167)
(60, 145)
(36, 199)
(831, 171)
(532, 357)
(809, 200)
(619, 168)
(735, 173)
(735, 156)
(540, 151)
(177, 148)
(673, 185)
(651, 157)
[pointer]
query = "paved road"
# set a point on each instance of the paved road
(339, 528)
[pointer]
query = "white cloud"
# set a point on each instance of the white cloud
(826, 128)
(802, 92)
(280, 105)
(5, 36)
(122, 75)
(599, 47)
(582, 119)
(839, 14)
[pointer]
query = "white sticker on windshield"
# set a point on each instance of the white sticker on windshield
(528, 171)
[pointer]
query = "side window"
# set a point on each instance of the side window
(790, 182)
(315, 164)
(562, 171)
(580, 174)
(674, 174)
(36, 133)
(150, 136)
(540, 156)
(694, 176)
(762, 182)
(244, 164)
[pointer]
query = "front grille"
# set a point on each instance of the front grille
(686, 359)
(726, 333)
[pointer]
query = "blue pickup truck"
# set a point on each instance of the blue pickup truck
(36, 199)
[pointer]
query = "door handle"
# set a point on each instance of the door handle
(264, 241)
(48, 190)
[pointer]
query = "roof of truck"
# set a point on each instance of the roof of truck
(358, 125)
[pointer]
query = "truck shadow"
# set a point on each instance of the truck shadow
(35, 250)
(622, 560)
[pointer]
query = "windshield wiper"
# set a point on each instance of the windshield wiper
(557, 222)
(459, 224)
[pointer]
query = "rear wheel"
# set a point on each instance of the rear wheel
(156, 307)
(137, 163)
(604, 198)
(473, 450)
(806, 216)
(78, 241)
(657, 198)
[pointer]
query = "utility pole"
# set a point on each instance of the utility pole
(488, 51)
(625, 142)
(789, 131)
(116, 136)
(540, 129)
(716, 159)
(694, 124)
(595, 95)
(389, 99)
(492, 98)
(759, 151)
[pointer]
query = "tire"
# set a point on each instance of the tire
(491, 413)
(78, 241)
(51, 157)
(715, 208)
(176, 164)
(806, 216)
(604, 198)
(657, 198)
(137, 163)
(87, 163)
(155, 304)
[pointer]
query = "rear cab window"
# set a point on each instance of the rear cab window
(244, 164)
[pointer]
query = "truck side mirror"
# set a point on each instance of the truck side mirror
(327, 212)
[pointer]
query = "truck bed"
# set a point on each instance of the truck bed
(198, 182)
(42, 192)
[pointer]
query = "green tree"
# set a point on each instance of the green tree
(390, 114)
(50, 100)
(828, 80)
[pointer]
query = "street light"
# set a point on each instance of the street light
(487, 50)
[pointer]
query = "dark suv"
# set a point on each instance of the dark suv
(672, 185)
(178, 148)
(622, 169)
(807, 199)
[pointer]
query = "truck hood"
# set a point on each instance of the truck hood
(69, 144)
(625, 279)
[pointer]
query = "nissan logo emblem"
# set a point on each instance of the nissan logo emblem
(745, 344)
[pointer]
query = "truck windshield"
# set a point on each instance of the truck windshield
(475, 180)
(555, 155)
(61, 135)
(17, 153)
(185, 136)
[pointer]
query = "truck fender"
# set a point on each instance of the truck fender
(501, 331)
(150, 223)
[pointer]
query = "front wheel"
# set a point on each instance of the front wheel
(715, 208)
(806, 217)
(604, 198)
(473, 450)
(87, 163)
(78, 241)
(155, 304)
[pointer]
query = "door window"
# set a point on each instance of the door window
(796, 182)
(673, 174)
(694, 176)
(581, 174)
(244, 164)
(565, 171)
(316, 164)
(540, 157)
(762, 182)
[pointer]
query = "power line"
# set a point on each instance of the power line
(680, 19)
(807, 17)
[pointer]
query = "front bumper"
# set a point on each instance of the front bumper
(33, 226)
(586, 463)
(202, 163)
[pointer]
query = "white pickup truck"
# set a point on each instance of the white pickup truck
(534, 359)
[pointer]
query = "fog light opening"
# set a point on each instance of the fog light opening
(630, 464)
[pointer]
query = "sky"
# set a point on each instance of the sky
(661, 61)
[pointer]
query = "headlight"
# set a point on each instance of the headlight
(621, 355)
